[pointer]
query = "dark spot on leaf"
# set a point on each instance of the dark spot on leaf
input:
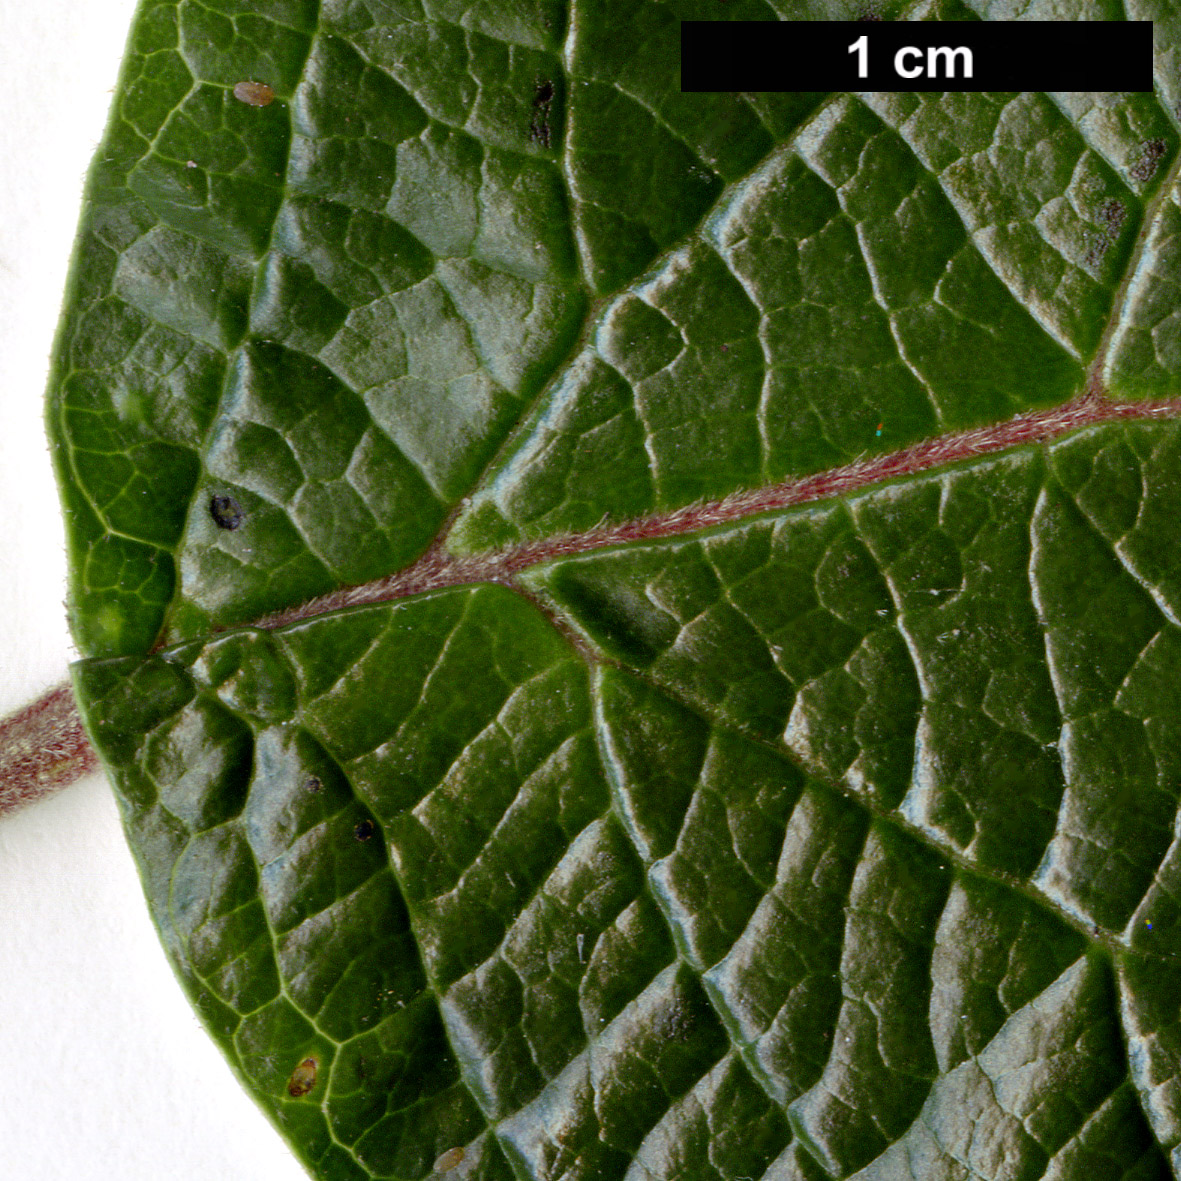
(313, 783)
(1152, 152)
(226, 511)
(540, 131)
(364, 830)
(1111, 216)
(254, 94)
(1112, 213)
(675, 1023)
(303, 1078)
(449, 1160)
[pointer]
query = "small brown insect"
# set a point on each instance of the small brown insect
(303, 1078)
(364, 830)
(448, 1160)
(254, 94)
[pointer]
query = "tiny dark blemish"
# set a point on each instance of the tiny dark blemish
(448, 1160)
(303, 1078)
(676, 1023)
(254, 94)
(1111, 215)
(540, 131)
(226, 511)
(312, 783)
(364, 830)
(1152, 152)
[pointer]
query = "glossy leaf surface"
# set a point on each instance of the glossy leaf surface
(675, 797)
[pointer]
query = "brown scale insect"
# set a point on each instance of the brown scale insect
(449, 1160)
(303, 1078)
(254, 94)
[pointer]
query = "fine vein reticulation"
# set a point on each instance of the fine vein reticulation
(635, 634)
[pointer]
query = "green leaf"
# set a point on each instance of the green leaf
(636, 633)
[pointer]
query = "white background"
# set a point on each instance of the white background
(107, 1075)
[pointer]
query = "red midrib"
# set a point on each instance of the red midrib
(437, 568)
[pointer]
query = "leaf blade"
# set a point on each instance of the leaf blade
(371, 838)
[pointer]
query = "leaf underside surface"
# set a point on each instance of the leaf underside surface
(751, 745)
